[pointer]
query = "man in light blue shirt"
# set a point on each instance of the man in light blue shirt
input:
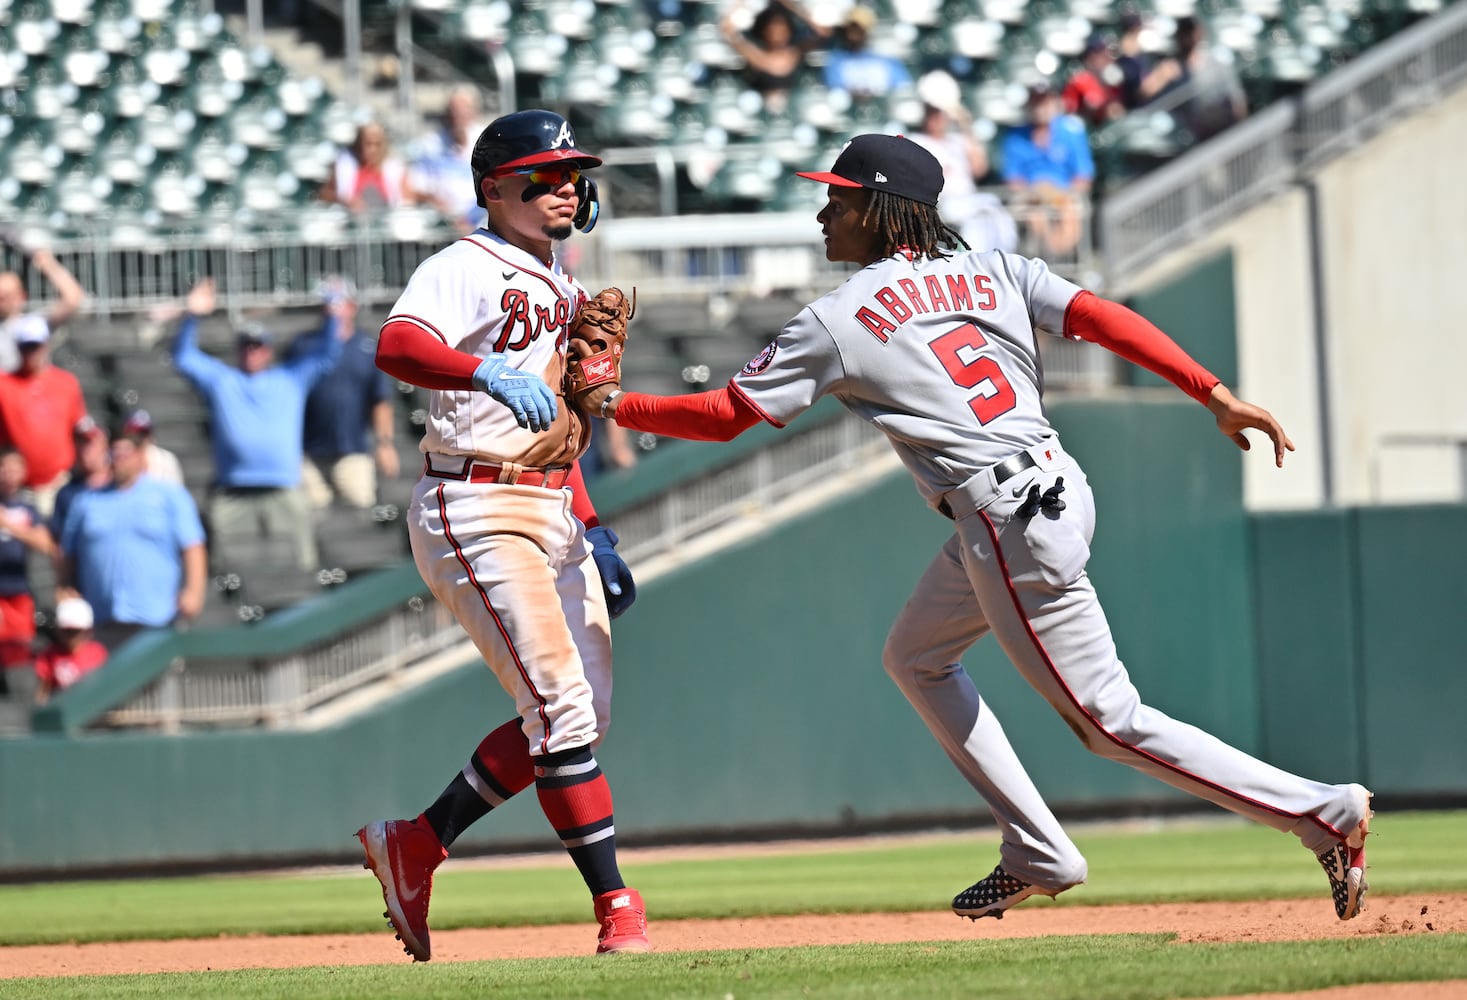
(859, 70)
(134, 548)
(256, 412)
(1048, 169)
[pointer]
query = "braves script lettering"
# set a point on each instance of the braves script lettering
(523, 322)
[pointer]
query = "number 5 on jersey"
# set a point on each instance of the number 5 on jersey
(958, 350)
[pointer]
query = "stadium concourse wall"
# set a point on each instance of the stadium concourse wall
(751, 700)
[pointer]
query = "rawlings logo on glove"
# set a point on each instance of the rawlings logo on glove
(594, 343)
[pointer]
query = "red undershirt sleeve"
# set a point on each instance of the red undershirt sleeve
(716, 415)
(408, 352)
(1133, 337)
(581, 505)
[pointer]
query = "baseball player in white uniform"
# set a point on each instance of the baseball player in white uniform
(501, 527)
(938, 349)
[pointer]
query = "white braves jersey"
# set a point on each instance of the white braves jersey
(482, 295)
(939, 354)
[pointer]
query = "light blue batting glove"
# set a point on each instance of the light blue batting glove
(526, 394)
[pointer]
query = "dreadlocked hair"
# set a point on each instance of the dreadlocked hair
(901, 223)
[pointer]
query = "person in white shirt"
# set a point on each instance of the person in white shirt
(158, 462)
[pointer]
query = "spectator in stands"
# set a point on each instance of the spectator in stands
(22, 531)
(73, 651)
(858, 70)
(135, 550)
(69, 295)
(1139, 82)
(159, 462)
(40, 408)
(1093, 92)
(1198, 85)
(774, 50)
(256, 415)
(368, 177)
(440, 171)
(1048, 169)
(611, 448)
(352, 397)
(92, 471)
(980, 217)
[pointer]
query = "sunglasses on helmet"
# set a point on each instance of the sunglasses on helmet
(551, 175)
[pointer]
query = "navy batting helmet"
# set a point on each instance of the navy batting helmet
(525, 139)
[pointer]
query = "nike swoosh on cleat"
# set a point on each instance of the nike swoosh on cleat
(408, 897)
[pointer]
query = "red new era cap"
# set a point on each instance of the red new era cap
(891, 163)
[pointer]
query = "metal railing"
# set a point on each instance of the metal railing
(200, 692)
(1265, 153)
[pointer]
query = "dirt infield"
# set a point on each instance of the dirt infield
(1278, 920)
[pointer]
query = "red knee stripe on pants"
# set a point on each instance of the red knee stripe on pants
(1093, 721)
(508, 640)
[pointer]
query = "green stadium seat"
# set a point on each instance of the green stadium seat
(122, 157)
(640, 114)
(174, 188)
(130, 93)
(114, 28)
(265, 186)
(31, 155)
(32, 28)
(80, 192)
(76, 128)
(82, 62)
(168, 124)
(257, 123)
(214, 155)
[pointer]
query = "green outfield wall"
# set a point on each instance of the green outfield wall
(750, 696)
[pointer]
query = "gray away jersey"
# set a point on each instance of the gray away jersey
(939, 354)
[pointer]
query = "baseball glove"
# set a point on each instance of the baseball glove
(594, 345)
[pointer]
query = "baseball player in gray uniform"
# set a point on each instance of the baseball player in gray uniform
(502, 529)
(937, 348)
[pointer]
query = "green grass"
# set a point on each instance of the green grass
(1122, 967)
(1409, 852)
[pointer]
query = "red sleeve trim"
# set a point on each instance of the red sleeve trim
(716, 415)
(1133, 337)
(743, 397)
(581, 505)
(410, 349)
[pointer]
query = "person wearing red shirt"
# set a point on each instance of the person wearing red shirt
(40, 407)
(72, 653)
(1093, 93)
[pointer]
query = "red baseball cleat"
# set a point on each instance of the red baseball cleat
(623, 918)
(403, 854)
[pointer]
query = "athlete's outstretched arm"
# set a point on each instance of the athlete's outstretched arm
(716, 415)
(1133, 337)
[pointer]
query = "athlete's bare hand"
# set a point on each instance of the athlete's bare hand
(1234, 416)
